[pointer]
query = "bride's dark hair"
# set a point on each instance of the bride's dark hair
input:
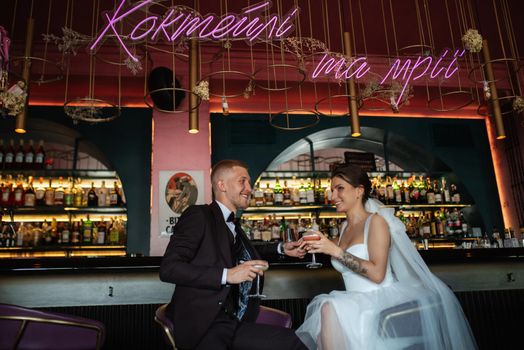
(355, 176)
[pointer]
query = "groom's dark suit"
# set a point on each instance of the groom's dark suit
(199, 250)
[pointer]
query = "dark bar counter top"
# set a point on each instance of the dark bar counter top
(431, 256)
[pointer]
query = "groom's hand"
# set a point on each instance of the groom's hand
(245, 272)
(293, 249)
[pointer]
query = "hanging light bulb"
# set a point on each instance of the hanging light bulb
(225, 106)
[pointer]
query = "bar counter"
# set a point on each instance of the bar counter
(84, 281)
(124, 292)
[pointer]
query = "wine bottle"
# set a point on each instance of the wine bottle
(39, 156)
(19, 155)
(92, 198)
(9, 157)
(29, 195)
(29, 156)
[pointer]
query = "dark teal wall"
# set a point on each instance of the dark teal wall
(126, 144)
(462, 145)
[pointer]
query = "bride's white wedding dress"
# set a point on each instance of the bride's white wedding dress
(409, 309)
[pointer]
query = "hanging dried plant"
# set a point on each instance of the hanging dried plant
(472, 41)
(518, 104)
(202, 90)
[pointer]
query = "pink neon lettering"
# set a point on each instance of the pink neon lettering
(447, 74)
(115, 19)
(405, 69)
(259, 27)
(143, 35)
(223, 27)
(279, 32)
(434, 75)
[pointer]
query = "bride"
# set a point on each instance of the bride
(392, 300)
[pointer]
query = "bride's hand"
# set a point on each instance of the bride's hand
(323, 245)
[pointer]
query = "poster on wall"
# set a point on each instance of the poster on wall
(177, 190)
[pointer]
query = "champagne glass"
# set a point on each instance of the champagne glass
(312, 236)
(257, 294)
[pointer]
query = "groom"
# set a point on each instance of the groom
(210, 308)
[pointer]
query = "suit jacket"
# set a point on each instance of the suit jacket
(195, 258)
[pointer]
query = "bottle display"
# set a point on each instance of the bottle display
(431, 208)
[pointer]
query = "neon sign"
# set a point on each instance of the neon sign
(341, 68)
(178, 23)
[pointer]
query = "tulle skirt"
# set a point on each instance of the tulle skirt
(392, 317)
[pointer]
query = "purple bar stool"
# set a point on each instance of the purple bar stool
(267, 315)
(23, 328)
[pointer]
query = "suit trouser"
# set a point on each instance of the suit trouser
(228, 333)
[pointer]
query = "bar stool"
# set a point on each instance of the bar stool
(24, 328)
(267, 315)
(405, 314)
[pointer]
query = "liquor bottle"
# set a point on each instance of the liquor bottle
(465, 226)
(40, 192)
(64, 232)
(114, 234)
(390, 195)
(282, 228)
(68, 192)
(9, 158)
(59, 193)
(446, 196)
(29, 195)
(268, 195)
(405, 192)
(422, 191)
(78, 199)
(457, 224)
(102, 195)
(278, 194)
(49, 195)
(430, 192)
(87, 231)
(54, 231)
(302, 193)
(259, 195)
(397, 191)
(39, 156)
(310, 192)
(275, 228)
(333, 228)
(455, 194)
(314, 225)
(2, 154)
(7, 195)
(257, 232)
(92, 198)
(320, 193)
(75, 233)
(438, 192)
(286, 194)
(328, 193)
(115, 199)
(29, 156)
(18, 193)
(19, 155)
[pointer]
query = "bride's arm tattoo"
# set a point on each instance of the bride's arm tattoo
(352, 262)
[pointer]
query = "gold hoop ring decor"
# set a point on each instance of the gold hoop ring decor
(423, 49)
(285, 114)
(224, 73)
(280, 65)
(484, 105)
(482, 65)
(469, 100)
(174, 89)
(44, 61)
(317, 104)
(90, 104)
(374, 98)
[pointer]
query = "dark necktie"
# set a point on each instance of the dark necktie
(240, 253)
